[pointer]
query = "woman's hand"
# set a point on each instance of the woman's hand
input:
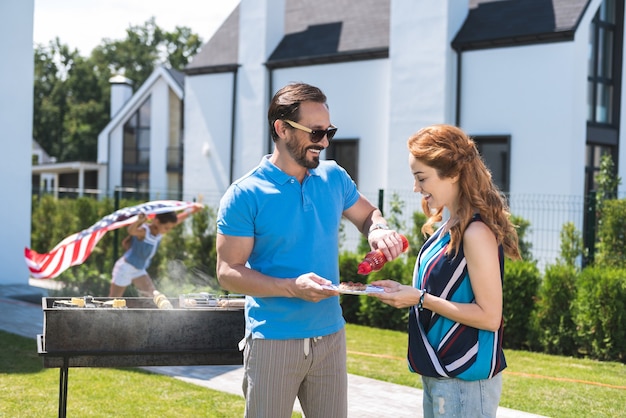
(396, 294)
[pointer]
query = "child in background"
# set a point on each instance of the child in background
(141, 245)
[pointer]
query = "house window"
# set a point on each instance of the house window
(603, 87)
(496, 153)
(594, 154)
(137, 185)
(604, 63)
(136, 157)
(346, 153)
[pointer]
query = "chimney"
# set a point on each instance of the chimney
(121, 91)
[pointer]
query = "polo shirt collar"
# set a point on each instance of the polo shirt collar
(278, 175)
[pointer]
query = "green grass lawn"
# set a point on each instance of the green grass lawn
(538, 383)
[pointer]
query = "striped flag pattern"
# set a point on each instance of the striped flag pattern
(75, 249)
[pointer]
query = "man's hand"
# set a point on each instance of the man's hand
(308, 286)
(387, 241)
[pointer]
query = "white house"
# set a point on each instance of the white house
(77, 178)
(16, 119)
(537, 83)
(141, 147)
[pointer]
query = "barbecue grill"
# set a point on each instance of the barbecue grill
(200, 329)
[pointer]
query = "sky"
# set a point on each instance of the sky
(82, 24)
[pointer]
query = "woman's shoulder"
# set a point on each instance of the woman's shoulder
(477, 231)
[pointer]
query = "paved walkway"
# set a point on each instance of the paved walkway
(21, 314)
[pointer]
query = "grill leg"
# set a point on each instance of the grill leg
(63, 388)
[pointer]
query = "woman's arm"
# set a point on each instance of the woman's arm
(483, 265)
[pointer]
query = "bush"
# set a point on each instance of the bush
(611, 246)
(416, 237)
(600, 313)
(572, 246)
(55, 219)
(522, 225)
(521, 282)
(350, 304)
(187, 257)
(553, 324)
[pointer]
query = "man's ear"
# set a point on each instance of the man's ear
(280, 127)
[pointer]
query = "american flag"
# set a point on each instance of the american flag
(75, 249)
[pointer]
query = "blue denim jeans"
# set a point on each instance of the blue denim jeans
(460, 398)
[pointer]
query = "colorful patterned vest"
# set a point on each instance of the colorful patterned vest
(438, 346)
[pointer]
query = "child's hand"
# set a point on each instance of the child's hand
(141, 217)
(197, 207)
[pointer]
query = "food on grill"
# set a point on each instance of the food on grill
(119, 303)
(89, 302)
(231, 303)
(161, 301)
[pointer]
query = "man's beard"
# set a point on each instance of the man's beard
(299, 154)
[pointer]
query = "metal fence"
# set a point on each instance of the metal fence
(546, 214)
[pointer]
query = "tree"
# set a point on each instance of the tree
(180, 46)
(144, 48)
(49, 105)
(72, 93)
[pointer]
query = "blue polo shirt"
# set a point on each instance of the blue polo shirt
(296, 230)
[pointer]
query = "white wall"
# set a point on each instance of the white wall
(261, 27)
(159, 138)
(422, 74)
(116, 143)
(111, 140)
(16, 118)
(530, 93)
(207, 135)
(538, 95)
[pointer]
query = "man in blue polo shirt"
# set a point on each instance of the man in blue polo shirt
(278, 243)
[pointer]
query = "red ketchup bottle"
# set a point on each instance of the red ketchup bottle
(375, 260)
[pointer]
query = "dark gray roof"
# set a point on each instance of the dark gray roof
(315, 32)
(177, 76)
(322, 31)
(498, 23)
(330, 31)
(221, 51)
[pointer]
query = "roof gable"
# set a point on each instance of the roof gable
(332, 31)
(497, 23)
(324, 31)
(175, 81)
(315, 31)
(221, 51)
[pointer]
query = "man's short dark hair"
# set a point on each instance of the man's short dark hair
(286, 103)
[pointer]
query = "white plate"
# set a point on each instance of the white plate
(368, 289)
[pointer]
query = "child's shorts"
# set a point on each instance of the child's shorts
(124, 273)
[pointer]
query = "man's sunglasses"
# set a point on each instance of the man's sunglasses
(316, 135)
